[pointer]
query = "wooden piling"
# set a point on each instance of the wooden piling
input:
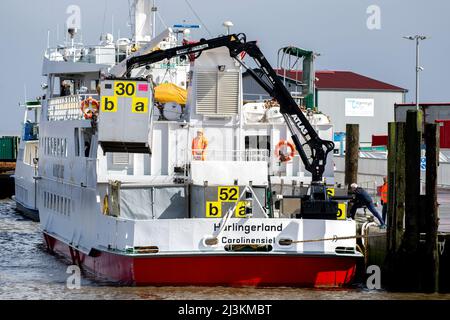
(410, 243)
(431, 272)
(396, 185)
(391, 160)
(413, 137)
(396, 204)
(400, 184)
(351, 154)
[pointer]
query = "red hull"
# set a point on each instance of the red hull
(215, 270)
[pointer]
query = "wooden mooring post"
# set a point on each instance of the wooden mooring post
(412, 265)
(396, 201)
(351, 153)
(431, 270)
(410, 244)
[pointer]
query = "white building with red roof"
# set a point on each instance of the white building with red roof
(346, 97)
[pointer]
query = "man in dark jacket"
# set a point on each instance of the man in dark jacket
(362, 198)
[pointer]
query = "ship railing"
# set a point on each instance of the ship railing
(97, 54)
(228, 155)
(66, 108)
(255, 97)
(109, 54)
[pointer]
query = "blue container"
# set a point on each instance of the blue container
(30, 131)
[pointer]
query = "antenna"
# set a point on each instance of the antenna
(112, 24)
(154, 11)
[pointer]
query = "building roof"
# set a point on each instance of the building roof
(343, 80)
(426, 105)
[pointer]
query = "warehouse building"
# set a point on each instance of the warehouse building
(345, 96)
(432, 113)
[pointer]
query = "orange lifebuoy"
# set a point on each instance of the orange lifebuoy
(282, 157)
(89, 107)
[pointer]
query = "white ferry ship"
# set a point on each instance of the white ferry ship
(142, 191)
(26, 173)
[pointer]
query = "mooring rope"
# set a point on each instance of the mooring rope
(287, 242)
(336, 238)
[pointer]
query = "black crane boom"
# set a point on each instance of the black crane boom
(314, 151)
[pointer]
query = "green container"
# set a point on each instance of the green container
(8, 148)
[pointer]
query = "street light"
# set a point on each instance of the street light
(417, 38)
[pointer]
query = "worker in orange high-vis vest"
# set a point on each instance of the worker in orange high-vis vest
(199, 145)
(384, 197)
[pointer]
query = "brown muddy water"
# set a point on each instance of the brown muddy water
(29, 272)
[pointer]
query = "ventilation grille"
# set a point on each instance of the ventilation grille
(121, 158)
(217, 93)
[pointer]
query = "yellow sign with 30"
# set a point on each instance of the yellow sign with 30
(125, 89)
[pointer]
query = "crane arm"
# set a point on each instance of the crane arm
(313, 150)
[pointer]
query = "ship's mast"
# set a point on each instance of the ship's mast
(154, 11)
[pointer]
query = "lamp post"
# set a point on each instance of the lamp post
(417, 38)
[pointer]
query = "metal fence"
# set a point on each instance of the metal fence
(372, 171)
(228, 155)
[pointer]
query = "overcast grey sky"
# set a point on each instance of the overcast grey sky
(336, 29)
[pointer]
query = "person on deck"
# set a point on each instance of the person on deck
(199, 145)
(362, 198)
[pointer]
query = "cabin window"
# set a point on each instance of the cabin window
(94, 84)
(57, 147)
(64, 148)
(77, 142)
(67, 88)
(56, 87)
(87, 135)
(257, 148)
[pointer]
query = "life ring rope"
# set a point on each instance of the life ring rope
(282, 157)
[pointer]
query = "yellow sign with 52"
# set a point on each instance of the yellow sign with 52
(226, 195)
